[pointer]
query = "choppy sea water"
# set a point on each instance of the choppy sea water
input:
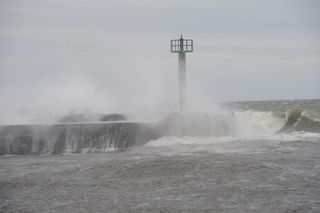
(257, 168)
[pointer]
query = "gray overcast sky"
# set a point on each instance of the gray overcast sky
(103, 56)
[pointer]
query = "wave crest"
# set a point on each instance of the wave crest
(298, 120)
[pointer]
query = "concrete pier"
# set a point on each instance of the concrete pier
(73, 137)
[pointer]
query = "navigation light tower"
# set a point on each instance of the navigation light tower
(182, 46)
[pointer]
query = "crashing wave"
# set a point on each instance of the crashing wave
(103, 136)
(297, 120)
(198, 124)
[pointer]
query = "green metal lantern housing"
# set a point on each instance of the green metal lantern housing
(181, 45)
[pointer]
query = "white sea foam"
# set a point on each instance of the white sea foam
(254, 123)
(280, 143)
(250, 127)
(186, 141)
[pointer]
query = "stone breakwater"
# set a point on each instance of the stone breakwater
(73, 137)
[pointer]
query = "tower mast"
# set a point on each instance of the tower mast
(182, 46)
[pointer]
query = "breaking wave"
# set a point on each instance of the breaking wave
(100, 136)
(298, 120)
(221, 124)
(227, 129)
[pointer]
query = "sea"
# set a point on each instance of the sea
(249, 156)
